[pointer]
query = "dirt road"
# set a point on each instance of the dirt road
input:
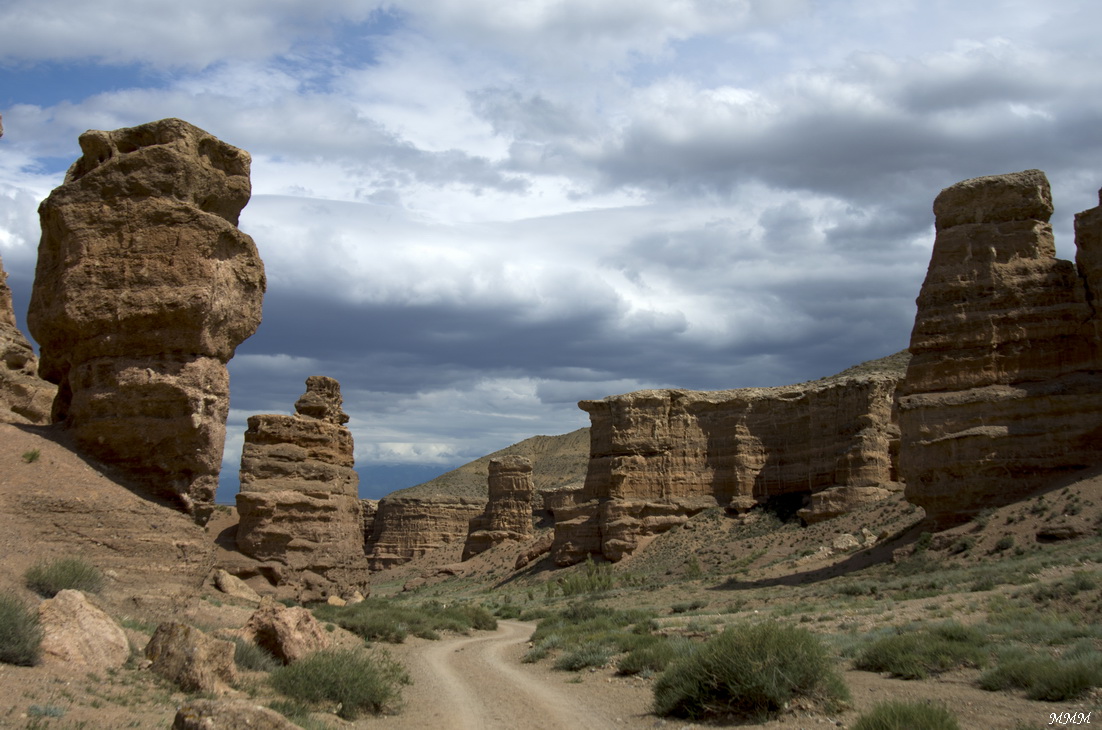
(478, 683)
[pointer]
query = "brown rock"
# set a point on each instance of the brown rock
(289, 633)
(24, 397)
(406, 527)
(75, 632)
(190, 659)
(1002, 393)
(299, 502)
(228, 715)
(508, 514)
(542, 546)
(143, 290)
(231, 585)
(659, 456)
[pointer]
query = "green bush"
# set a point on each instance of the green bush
(47, 579)
(391, 621)
(249, 656)
(1047, 678)
(895, 715)
(749, 671)
(653, 657)
(20, 635)
(592, 655)
(918, 653)
(349, 682)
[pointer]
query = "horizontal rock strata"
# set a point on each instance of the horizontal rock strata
(24, 397)
(143, 290)
(299, 504)
(659, 456)
(1004, 389)
(409, 527)
(508, 514)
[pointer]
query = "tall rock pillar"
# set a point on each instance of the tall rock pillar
(144, 288)
(508, 514)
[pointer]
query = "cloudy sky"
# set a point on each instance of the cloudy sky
(476, 213)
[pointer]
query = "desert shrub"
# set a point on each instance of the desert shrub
(688, 606)
(248, 655)
(918, 653)
(540, 650)
(653, 657)
(1044, 677)
(351, 682)
(382, 620)
(20, 634)
(47, 579)
(895, 715)
(595, 579)
(750, 671)
(589, 655)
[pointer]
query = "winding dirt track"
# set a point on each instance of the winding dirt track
(477, 683)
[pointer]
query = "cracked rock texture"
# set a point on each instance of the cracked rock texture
(1004, 390)
(143, 290)
(508, 514)
(408, 527)
(24, 397)
(299, 505)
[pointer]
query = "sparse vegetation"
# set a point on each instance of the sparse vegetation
(1044, 677)
(48, 578)
(31, 456)
(20, 635)
(392, 621)
(749, 671)
(916, 653)
(893, 715)
(249, 656)
(348, 682)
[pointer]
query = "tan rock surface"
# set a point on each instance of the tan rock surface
(407, 527)
(24, 397)
(1003, 392)
(193, 661)
(76, 632)
(143, 290)
(228, 715)
(659, 456)
(289, 633)
(299, 503)
(233, 586)
(508, 514)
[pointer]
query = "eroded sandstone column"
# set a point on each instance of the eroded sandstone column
(24, 397)
(144, 288)
(299, 503)
(508, 514)
(1003, 392)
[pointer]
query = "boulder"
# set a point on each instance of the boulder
(199, 714)
(299, 503)
(539, 547)
(231, 585)
(288, 633)
(143, 290)
(24, 397)
(190, 659)
(1003, 393)
(508, 513)
(77, 633)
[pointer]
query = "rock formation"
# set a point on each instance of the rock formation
(190, 659)
(288, 633)
(659, 456)
(508, 514)
(77, 633)
(143, 290)
(408, 527)
(299, 504)
(1004, 389)
(24, 397)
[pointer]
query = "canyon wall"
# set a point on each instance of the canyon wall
(508, 514)
(24, 397)
(1004, 390)
(299, 505)
(408, 527)
(143, 290)
(659, 456)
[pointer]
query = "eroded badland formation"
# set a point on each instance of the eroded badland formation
(145, 286)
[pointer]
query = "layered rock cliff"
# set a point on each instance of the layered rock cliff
(1004, 389)
(299, 504)
(24, 397)
(143, 290)
(408, 527)
(659, 456)
(508, 514)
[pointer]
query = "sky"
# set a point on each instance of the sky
(475, 214)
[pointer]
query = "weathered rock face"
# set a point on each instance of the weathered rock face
(407, 527)
(508, 514)
(288, 633)
(143, 290)
(24, 397)
(198, 714)
(1003, 392)
(75, 632)
(299, 503)
(659, 456)
(192, 660)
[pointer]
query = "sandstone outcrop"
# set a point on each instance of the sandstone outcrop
(1004, 389)
(76, 633)
(659, 456)
(143, 290)
(408, 527)
(508, 514)
(299, 503)
(24, 397)
(228, 715)
(190, 659)
(288, 633)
